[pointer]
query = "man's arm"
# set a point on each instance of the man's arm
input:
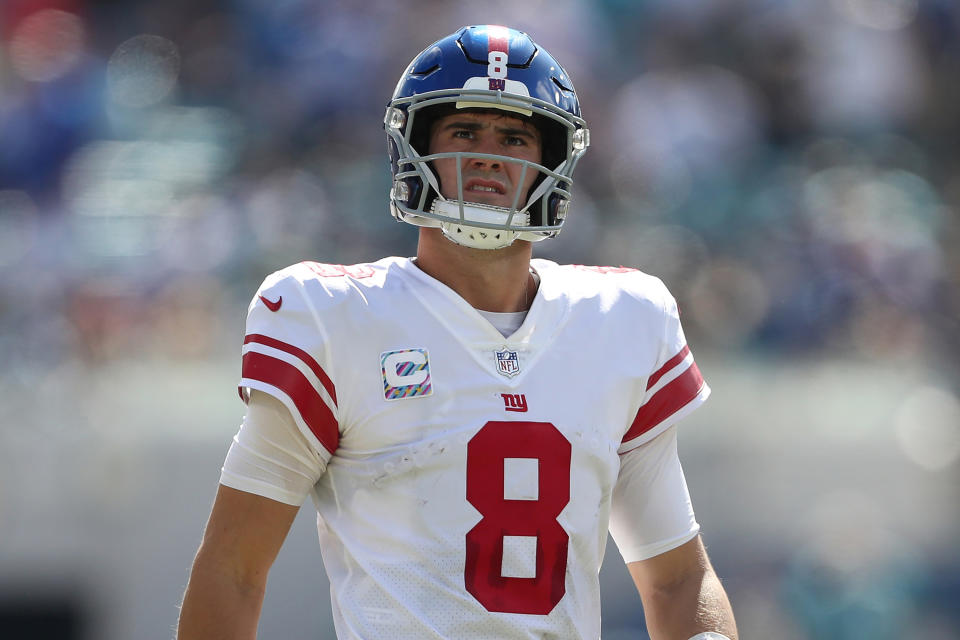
(225, 591)
(681, 594)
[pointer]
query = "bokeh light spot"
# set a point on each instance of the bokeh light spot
(928, 428)
(46, 45)
(143, 70)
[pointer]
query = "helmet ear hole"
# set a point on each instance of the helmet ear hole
(553, 141)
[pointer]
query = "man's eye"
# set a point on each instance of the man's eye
(515, 141)
(463, 133)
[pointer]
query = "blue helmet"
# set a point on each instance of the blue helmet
(484, 67)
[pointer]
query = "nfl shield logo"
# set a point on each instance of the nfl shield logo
(508, 364)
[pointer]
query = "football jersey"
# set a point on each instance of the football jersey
(469, 476)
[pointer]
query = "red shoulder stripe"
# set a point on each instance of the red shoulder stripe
(290, 380)
(300, 353)
(674, 396)
(670, 364)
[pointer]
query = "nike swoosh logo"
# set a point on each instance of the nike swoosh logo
(273, 306)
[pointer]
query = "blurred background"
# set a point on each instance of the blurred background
(788, 167)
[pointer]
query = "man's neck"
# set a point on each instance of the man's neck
(489, 280)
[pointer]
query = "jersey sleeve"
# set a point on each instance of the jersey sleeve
(651, 512)
(285, 355)
(675, 386)
(269, 456)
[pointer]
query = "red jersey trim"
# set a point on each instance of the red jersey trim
(674, 395)
(290, 380)
(670, 364)
(302, 355)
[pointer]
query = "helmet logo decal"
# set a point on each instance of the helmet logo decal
(497, 70)
(498, 59)
(498, 53)
(514, 87)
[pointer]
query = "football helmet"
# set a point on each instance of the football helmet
(484, 67)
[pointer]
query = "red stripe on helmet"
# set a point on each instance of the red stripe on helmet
(498, 39)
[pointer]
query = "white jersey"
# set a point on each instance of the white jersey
(469, 477)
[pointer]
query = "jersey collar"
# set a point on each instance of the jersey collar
(546, 316)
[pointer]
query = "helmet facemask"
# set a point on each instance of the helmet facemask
(533, 215)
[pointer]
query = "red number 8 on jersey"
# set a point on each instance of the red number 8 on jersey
(486, 455)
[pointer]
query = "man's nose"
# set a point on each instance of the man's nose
(484, 145)
(483, 163)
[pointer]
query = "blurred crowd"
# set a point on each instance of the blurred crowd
(788, 167)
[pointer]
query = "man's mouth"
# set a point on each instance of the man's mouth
(484, 186)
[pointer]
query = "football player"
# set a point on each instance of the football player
(471, 422)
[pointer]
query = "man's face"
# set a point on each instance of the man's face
(485, 180)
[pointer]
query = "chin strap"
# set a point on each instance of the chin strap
(478, 237)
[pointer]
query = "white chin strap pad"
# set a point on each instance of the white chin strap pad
(479, 237)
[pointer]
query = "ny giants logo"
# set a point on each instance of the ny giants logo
(498, 54)
(514, 402)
